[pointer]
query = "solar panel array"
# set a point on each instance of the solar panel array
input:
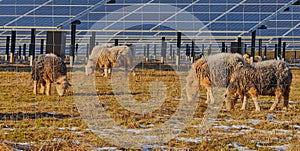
(149, 20)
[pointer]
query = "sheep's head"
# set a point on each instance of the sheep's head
(62, 85)
(231, 96)
(89, 68)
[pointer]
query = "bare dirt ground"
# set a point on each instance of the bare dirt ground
(39, 122)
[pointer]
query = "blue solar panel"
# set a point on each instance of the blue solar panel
(268, 1)
(255, 8)
(5, 19)
(280, 24)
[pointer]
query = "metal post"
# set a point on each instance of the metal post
(13, 46)
(260, 47)
(148, 52)
(187, 50)
(19, 52)
(7, 48)
(73, 39)
(32, 43)
(253, 45)
(265, 53)
(92, 40)
(279, 49)
(223, 47)
(87, 51)
(76, 51)
(178, 48)
(171, 52)
(276, 52)
(116, 42)
(24, 52)
(283, 50)
(209, 49)
(245, 49)
(295, 56)
(163, 49)
(42, 46)
(239, 48)
(226, 49)
(203, 49)
(193, 51)
(154, 50)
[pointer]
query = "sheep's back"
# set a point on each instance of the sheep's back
(54, 67)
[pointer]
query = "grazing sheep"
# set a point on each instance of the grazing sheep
(47, 69)
(247, 57)
(214, 70)
(263, 78)
(99, 51)
(107, 57)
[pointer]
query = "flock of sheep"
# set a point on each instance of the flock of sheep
(242, 78)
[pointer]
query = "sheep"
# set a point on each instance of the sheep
(47, 69)
(272, 77)
(214, 70)
(99, 51)
(248, 59)
(107, 57)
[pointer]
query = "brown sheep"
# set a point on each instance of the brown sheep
(47, 69)
(263, 78)
(214, 70)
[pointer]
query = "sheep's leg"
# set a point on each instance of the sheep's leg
(278, 95)
(34, 87)
(245, 102)
(210, 97)
(42, 88)
(109, 71)
(48, 87)
(257, 107)
(207, 96)
(105, 72)
(286, 98)
(254, 94)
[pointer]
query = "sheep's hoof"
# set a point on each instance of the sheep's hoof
(242, 109)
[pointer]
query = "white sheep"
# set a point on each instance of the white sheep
(106, 57)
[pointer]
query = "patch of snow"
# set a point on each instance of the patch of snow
(271, 116)
(136, 131)
(254, 122)
(227, 128)
(150, 137)
(8, 129)
(73, 128)
(80, 134)
(190, 140)
(296, 127)
(240, 147)
(106, 148)
(242, 127)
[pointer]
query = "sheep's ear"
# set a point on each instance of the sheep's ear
(69, 84)
(56, 82)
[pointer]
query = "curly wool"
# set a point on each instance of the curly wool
(217, 69)
(265, 77)
(48, 66)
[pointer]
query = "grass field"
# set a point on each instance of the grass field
(39, 122)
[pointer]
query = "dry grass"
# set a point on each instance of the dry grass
(53, 122)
